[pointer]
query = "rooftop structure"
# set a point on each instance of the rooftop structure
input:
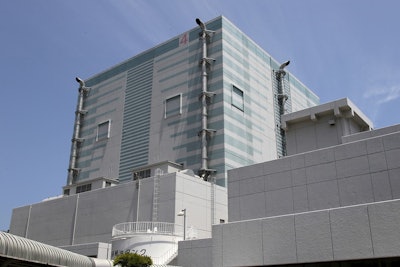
(323, 125)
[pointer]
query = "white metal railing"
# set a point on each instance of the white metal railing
(133, 228)
(167, 257)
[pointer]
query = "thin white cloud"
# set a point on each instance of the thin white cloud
(383, 95)
(378, 99)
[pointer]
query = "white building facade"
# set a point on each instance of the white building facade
(335, 203)
(208, 122)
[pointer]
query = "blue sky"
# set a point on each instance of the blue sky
(337, 48)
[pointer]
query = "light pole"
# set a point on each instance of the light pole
(183, 213)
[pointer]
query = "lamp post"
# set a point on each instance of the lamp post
(183, 213)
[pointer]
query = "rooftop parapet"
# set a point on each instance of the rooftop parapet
(323, 125)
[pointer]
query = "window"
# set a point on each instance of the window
(103, 131)
(237, 98)
(173, 106)
(83, 188)
(142, 174)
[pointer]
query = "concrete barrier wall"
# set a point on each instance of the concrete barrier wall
(354, 173)
(354, 232)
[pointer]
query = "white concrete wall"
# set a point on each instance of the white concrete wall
(333, 204)
(89, 217)
(369, 134)
(194, 195)
(323, 132)
(195, 253)
(322, 126)
(311, 135)
(353, 173)
(355, 232)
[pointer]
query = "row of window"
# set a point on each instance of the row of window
(142, 174)
(79, 189)
(83, 188)
(173, 107)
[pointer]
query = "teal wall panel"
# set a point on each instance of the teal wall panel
(136, 121)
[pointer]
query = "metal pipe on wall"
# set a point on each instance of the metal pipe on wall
(75, 220)
(204, 114)
(204, 170)
(72, 170)
(282, 97)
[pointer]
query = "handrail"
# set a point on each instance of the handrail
(132, 228)
(168, 256)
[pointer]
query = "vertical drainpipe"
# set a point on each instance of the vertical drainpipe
(138, 199)
(204, 171)
(28, 221)
(204, 113)
(75, 220)
(76, 140)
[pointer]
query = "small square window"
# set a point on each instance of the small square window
(173, 106)
(66, 192)
(103, 131)
(237, 98)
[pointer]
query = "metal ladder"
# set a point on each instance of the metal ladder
(156, 191)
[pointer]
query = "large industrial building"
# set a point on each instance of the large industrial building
(209, 99)
(206, 151)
